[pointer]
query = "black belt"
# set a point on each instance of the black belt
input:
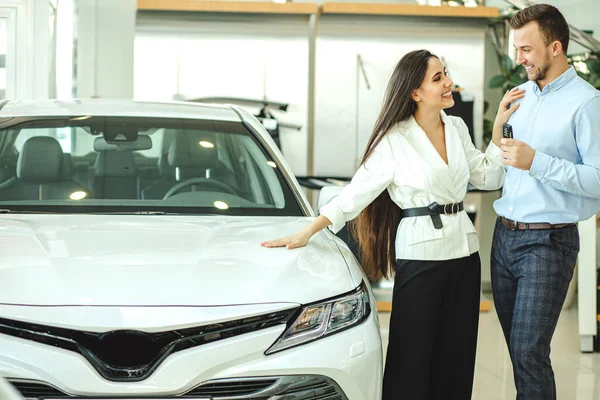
(434, 210)
(517, 226)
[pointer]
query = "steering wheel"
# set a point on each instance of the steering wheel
(216, 184)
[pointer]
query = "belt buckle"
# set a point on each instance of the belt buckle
(451, 209)
(515, 225)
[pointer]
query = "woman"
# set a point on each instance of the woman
(418, 227)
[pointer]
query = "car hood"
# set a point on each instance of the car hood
(153, 260)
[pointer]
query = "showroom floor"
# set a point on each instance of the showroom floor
(577, 374)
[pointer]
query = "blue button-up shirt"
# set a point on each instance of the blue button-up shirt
(562, 124)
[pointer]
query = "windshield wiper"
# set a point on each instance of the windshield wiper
(136, 213)
(151, 213)
(8, 211)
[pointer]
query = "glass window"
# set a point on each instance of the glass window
(3, 50)
(132, 164)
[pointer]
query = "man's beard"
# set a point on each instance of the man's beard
(542, 70)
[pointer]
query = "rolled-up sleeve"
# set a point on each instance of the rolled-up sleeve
(371, 178)
(486, 169)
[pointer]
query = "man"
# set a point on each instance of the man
(552, 181)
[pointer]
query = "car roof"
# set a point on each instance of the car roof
(118, 107)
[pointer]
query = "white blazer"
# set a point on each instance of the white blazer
(407, 164)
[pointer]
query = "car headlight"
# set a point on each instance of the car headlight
(316, 321)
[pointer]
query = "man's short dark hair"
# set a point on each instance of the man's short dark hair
(552, 23)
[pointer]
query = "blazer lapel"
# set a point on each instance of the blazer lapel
(458, 171)
(422, 145)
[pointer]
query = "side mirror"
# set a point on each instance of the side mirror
(328, 193)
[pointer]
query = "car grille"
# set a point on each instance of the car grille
(231, 388)
(36, 390)
(315, 388)
(306, 387)
(128, 355)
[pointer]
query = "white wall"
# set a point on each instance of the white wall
(64, 49)
(26, 41)
(194, 55)
(256, 56)
(105, 36)
(343, 124)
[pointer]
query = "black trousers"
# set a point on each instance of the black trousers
(433, 330)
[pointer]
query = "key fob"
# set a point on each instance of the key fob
(507, 132)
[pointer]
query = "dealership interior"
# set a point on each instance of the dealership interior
(169, 138)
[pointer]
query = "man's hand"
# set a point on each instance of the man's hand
(517, 154)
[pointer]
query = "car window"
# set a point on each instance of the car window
(129, 164)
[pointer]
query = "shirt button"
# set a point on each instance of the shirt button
(540, 98)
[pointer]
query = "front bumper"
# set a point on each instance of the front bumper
(296, 387)
(349, 362)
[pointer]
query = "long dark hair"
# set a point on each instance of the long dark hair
(375, 227)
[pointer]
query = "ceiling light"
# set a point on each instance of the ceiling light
(78, 195)
(221, 205)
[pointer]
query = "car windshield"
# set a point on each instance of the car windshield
(132, 164)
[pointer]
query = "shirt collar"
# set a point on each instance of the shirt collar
(559, 82)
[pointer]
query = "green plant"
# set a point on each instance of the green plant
(512, 75)
(588, 69)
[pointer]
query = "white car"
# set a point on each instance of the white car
(7, 391)
(131, 265)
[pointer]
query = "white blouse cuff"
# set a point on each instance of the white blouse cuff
(494, 153)
(335, 215)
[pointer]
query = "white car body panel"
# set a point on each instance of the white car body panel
(125, 260)
(7, 392)
(106, 319)
(124, 108)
